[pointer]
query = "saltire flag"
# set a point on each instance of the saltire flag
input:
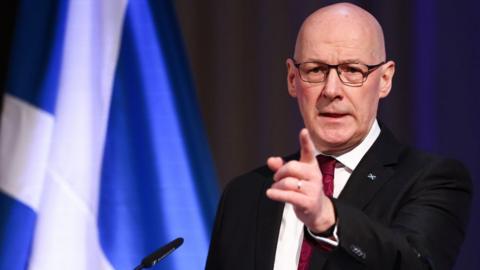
(103, 158)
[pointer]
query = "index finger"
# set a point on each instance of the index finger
(307, 149)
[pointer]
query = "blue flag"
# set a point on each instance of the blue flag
(103, 157)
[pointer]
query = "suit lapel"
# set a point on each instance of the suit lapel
(373, 171)
(268, 226)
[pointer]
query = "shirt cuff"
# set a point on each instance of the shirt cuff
(329, 240)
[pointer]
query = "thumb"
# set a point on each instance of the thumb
(274, 163)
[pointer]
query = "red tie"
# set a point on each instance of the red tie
(327, 166)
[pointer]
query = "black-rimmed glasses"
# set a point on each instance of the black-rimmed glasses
(351, 74)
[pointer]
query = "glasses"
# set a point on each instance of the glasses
(351, 74)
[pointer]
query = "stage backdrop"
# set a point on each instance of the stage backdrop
(238, 50)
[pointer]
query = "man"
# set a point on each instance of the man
(378, 205)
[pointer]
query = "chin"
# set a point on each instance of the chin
(334, 141)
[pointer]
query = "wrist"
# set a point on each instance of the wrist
(327, 233)
(328, 221)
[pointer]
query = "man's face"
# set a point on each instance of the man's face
(338, 116)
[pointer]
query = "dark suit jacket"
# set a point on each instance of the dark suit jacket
(411, 216)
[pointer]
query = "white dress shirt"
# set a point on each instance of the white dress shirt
(290, 236)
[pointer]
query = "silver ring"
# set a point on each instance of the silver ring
(299, 185)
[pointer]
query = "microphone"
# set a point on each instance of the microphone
(159, 254)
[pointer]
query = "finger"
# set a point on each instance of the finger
(297, 170)
(275, 163)
(307, 149)
(289, 183)
(297, 199)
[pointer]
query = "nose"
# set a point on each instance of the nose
(333, 86)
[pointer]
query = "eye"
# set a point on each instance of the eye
(314, 68)
(352, 68)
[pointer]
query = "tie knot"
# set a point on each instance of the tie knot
(327, 164)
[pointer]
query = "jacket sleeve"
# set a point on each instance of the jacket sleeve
(426, 229)
(213, 259)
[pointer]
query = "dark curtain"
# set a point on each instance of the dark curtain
(238, 49)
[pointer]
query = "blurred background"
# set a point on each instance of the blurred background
(237, 50)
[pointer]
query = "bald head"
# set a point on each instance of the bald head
(337, 113)
(341, 26)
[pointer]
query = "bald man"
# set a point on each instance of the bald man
(353, 197)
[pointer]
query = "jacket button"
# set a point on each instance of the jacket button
(358, 251)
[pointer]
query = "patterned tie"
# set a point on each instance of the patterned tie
(327, 166)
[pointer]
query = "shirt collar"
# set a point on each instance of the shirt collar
(351, 158)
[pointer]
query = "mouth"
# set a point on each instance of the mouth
(333, 115)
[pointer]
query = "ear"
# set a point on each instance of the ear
(388, 70)
(291, 74)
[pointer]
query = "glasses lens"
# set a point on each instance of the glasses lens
(313, 72)
(352, 73)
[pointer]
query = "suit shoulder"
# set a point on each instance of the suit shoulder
(251, 181)
(436, 165)
(430, 159)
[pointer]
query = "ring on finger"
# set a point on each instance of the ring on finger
(299, 184)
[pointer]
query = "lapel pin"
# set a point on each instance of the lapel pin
(371, 176)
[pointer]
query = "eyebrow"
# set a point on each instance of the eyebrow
(345, 61)
(352, 61)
